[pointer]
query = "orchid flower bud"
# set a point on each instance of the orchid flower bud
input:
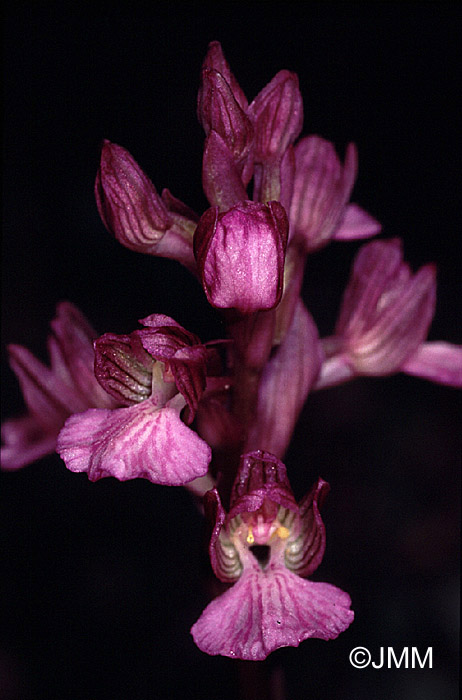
(277, 116)
(219, 111)
(240, 255)
(216, 60)
(133, 211)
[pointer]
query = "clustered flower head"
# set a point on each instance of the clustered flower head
(159, 404)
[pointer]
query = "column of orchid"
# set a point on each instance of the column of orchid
(159, 404)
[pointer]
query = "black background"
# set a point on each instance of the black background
(104, 580)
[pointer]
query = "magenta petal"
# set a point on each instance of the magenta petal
(181, 351)
(219, 111)
(216, 60)
(221, 179)
(159, 321)
(127, 201)
(386, 311)
(74, 350)
(334, 370)
(50, 395)
(24, 441)
(133, 211)
(286, 381)
(437, 361)
(240, 255)
(188, 367)
(277, 116)
(304, 554)
(375, 266)
(261, 476)
(164, 337)
(356, 223)
(266, 610)
(399, 329)
(224, 557)
(322, 187)
(137, 442)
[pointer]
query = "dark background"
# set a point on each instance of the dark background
(104, 580)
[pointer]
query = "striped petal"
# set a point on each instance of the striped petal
(141, 441)
(269, 609)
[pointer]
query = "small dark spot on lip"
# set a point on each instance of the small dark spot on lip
(278, 622)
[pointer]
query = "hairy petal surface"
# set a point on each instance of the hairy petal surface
(269, 609)
(141, 441)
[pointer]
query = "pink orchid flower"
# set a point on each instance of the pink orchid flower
(265, 546)
(53, 393)
(156, 372)
(384, 320)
